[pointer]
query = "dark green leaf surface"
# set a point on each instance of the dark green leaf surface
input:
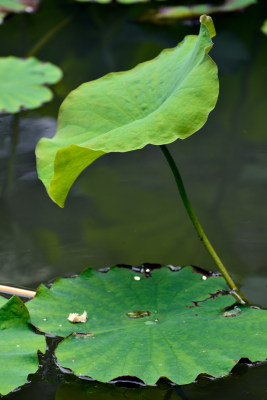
(18, 345)
(186, 333)
(156, 103)
(22, 83)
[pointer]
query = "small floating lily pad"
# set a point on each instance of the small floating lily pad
(16, 6)
(22, 83)
(180, 332)
(18, 345)
(169, 13)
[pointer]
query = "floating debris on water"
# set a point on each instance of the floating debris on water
(138, 314)
(76, 318)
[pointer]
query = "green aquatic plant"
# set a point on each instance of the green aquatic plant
(177, 316)
(174, 12)
(156, 103)
(18, 345)
(23, 86)
(171, 317)
(22, 83)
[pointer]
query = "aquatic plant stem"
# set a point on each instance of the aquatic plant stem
(195, 221)
(49, 35)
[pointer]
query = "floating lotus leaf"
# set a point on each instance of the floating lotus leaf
(7, 6)
(22, 83)
(156, 102)
(3, 300)
(18, 345)
(162, 14)
(173, 324)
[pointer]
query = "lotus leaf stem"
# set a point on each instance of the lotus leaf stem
(198, 227)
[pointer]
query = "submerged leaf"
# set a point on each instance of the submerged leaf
(181, 329)
(22, 83)
(156, 103)
(18, 345)
(169, 13)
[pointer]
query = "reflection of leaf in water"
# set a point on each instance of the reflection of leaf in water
(49, 243)
(165, 14)
(96, 390)
(137, 221)
(177, 338)
(18, 345)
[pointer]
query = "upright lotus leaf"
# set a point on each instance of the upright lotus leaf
(18, 345)
(174, 325)
(156, 103)
(22, 83)
(162, 14)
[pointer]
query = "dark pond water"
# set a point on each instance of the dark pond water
(124, 209)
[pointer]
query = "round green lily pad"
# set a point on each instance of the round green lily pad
(175, 325)
(22, 83)
(18, 345)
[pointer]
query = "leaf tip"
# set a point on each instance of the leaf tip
(208, 22)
